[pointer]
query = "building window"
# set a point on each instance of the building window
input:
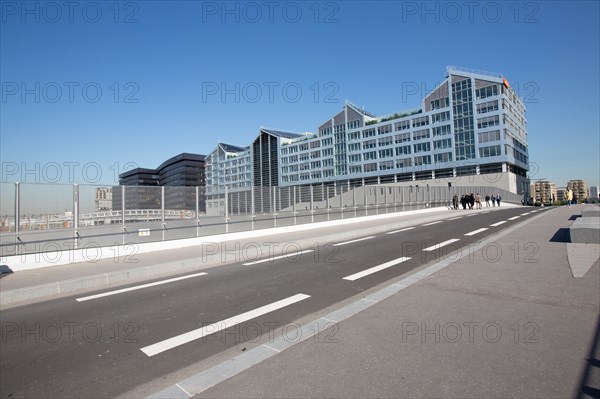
(486, 92)
(370, 167)
(370, 155)
(403, 163)
(384, 129)
(353, 125)
(441, 117)
(421, 134)
(489, 106)
(422, 121)
(492, 151)
(485, 137)
(386, 165)
(422, 147)
(443, 157)
(423, 160)
(368, 133)
(489, 121)
(355, 158)
(386, 153)
(440, 144)
(441, 130)
(404, 150)
(385, 141)
(369, 144)
(401, 138)
(404, 125)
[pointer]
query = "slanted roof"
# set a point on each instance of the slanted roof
(184, 156)
(232, 148)
(359, 110)
(279, 133)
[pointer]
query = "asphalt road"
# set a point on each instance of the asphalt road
(93, 348)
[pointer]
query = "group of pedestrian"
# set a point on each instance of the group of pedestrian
(471, 201)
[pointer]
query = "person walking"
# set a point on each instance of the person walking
(487, 201)
(455, 202)
(478, 201)
(471, 201)
(498, 198)
(493, 200)
(569, 195)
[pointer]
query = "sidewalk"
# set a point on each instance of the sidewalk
(508, 321)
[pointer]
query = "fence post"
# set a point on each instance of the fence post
(123, 213)
(274, 191)
(294, 206)
(17, 216)
(385, 198)
(226, 210)
(197, 211)
(76, 214)
(312, 211)
(354, 200)
(365, 195)
(162, 211)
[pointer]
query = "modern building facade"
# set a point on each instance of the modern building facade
(181, 175)
(580, 189)
(544, 192)
(471, 127)
(227, 167)
(594, 195)
(103, 199)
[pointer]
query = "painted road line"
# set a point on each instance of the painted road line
(193, 335)
(432, 223)
(398, 231)
(460, 217)
(441, 244)
(526, 213)
(476, 231)
(498, 223)
(353, 241)
(278, 257)
(375, 269)
(514, 218)
(138, 287)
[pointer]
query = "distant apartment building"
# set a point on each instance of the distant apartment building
(103, 199)
(594, 194)
(580, 189)
(544, 192)
(561, 194)
(182, 176)
(472, 126)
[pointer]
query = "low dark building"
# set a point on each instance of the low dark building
(180, 175)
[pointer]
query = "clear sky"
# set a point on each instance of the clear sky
(90, 89)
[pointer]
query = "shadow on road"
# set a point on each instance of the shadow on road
(561, 235)
(5, 271)
(589, 385)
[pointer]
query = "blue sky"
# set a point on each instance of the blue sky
(95, 89)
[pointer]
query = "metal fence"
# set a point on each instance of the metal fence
(39, 218)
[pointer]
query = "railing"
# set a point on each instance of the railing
(38, 218)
